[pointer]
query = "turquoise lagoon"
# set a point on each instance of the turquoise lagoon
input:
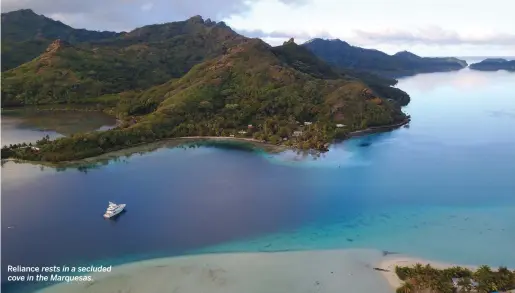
(442, 188)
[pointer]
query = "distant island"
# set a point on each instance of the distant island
(494, 64)
(343, 55)
(192, 78)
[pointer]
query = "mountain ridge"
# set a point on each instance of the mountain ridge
(199, 78)
(26, 34)
(343, 55)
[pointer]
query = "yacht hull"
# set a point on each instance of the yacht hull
(115, 212)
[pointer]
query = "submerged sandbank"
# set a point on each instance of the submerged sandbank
(329, 271)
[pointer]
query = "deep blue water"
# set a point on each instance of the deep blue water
(444, 189)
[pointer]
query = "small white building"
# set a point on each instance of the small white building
(232, 135)
(242, 132)
(297, 133)
(455, 283)
(340, 125)
(308, 123)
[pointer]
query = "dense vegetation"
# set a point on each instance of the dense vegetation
(340, 54)
(198, 78)
(456, 279)
(147, 56)
(494, 64)
(249, 85)
(305, 61)
(25, 35)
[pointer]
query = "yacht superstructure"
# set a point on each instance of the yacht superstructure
(113, 209)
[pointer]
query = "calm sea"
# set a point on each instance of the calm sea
(442, 188)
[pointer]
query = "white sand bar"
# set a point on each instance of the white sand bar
(328, 271)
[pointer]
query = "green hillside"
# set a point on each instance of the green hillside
(135, 61)
(26, 35)
(248, 85)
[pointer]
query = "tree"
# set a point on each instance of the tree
(465, 285)
(406, 288)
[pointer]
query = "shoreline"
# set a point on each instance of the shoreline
(325, 271)
(377, 129)
(149, 147)
(177, 141)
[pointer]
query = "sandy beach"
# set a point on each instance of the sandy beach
(328, 271)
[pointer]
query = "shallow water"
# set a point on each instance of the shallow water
(30, 125)
(441, 189)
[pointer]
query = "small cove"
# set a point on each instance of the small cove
(441, 189)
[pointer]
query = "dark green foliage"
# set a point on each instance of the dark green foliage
(25, 35)
(249, 85)
(422, 278)
(145, 57)
(302, 59)
(198, 78)
(341, 54)
(494, 64)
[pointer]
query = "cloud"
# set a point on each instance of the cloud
(120, 15)
(432, 36)
(147, 6)
(297, 35)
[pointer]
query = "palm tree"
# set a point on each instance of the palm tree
(484, 277)
(465, 285)
(418, 268)
(504, 279)
(406, 288)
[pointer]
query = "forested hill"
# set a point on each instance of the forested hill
(145, 57)
(343, 55)
(98, 70)
(199, 78)
(249, 91)
(25, 35)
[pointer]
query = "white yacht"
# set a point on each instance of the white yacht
(113, 209)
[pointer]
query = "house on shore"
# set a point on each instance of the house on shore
(456, 281)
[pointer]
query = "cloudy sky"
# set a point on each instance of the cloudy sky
(426, 27)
